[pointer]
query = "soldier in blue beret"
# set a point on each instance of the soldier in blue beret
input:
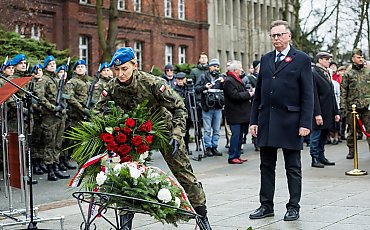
(79, 62)
(61, 71)
(8, 68)
(20, 63)
(131, 87)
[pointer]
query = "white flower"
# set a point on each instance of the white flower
(177, 202)
(164, 195)
(143, 156)
(116, 159)
(134, 172)
(117, 168)
(100, 178)
(153, 175)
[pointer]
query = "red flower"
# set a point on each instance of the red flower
(288, 59)
(146, 127)
(117, 129)
(127, 130)
(126, 158)
(112, 146)
(149, 139)
(121, 138)
(142, 148)
(130, 122)
(124, 149)
(106, 137)
(136, 140)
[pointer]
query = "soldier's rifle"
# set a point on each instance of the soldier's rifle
(90, 92)
(3, 64)
(61, 88)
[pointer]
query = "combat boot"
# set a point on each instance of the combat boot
(202, 220)
(61, 165)
(36, 167)
(64, 160)
(350, 154)
(58, 173)
(43, 167)
(51, 175)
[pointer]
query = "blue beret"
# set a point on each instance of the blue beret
(103, 66)
(122, 56)
(61, 67)
(8, 63)
(48, 59)
(36, 67)
(18, 58)
(79, 62)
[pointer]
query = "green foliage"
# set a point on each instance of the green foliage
(186, 68)
(156, 71)
(12, 44)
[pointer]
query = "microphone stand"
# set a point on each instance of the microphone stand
(28, 99)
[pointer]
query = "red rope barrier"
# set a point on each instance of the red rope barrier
(362, 127)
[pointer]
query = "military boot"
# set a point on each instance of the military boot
(61, 165)
(43, 167)
(58, 173)
(64, 160)
(202, 220)
(350, 154)
(36, 167)
(51, 175)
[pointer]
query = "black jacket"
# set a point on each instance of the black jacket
(324, 100)
(237, 101)
(200, 87)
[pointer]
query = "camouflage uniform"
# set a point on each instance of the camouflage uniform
(51, 124)
(160, 95)
(77, 89)
(355, 89)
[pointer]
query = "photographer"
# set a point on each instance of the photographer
(209, 86)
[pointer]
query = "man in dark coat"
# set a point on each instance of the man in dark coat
(237, 109)
(281, 116)
(325, 110)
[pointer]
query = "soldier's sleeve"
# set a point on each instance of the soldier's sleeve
(344, 91)
(175, 104)
(105, 96)
(74, 103)
(40, 92)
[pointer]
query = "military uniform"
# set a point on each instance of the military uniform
(147, 87)
(355, 89)
(77, 89)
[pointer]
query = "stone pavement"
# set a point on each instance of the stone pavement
(330, 199)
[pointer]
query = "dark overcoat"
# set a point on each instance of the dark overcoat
(324, 100)
(283, 100)
(237, 101)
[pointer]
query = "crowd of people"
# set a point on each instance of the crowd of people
(283, 99)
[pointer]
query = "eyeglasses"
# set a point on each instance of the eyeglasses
(168, 70)
(279, 35)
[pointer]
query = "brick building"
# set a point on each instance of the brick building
(160, 31)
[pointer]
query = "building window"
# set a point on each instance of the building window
(138, 48)
(120, 4)
(167, 8)
(35, 32)
(182, 54)
(121, 43)
(137, 5)
(20, 29)
(84, 49)
(168, 54)
(84, 1)
(182, 9)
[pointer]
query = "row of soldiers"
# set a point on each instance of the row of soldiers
(63, 102)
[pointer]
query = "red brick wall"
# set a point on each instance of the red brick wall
(64, 21)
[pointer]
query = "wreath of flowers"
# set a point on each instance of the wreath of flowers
(113, 151)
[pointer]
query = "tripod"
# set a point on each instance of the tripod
(190, 96)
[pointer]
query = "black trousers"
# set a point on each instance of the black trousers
(292, 158)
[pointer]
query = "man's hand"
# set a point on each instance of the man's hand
(175, 146)
(303, 132)
(254, 130)
(319, 120)
(209, 85)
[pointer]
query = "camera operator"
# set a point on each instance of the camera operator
(210, 86)
(181, 87)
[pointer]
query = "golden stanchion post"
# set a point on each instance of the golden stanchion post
(355, 171)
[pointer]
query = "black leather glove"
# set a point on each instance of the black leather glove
(175, 146)
(58, 108)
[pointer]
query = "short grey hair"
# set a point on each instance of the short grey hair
(235, 65)
(280, 23)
